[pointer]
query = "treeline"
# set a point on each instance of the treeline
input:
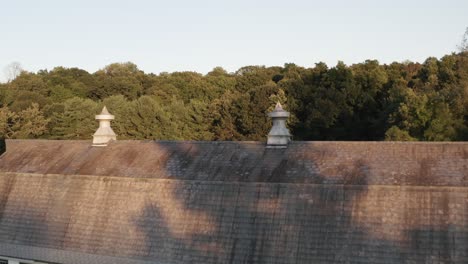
(365, 101)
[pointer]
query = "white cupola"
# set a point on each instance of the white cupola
(279, 135)
(104, 133)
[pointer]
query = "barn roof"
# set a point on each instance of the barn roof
(370, 163)
(234, 202)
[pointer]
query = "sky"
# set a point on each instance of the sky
(175, 35)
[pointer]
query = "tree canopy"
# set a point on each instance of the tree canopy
(365, 101)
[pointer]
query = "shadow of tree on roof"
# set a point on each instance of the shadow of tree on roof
(261, 215)
(29, 218)
(266, 216)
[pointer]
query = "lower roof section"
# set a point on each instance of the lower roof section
(80, 219)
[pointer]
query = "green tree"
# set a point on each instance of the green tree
(21, 100)
(413, 114)
(58, 93)
(7, 120)
(196, 120)
(77, 121)
(71, 81)
(32, 82)
(118, 78)
(29, 123)
(250, 111)
(442, 126)
(148, 120)
(119, 106)
(221, 113)
(396, 134)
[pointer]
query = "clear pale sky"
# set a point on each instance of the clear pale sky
(200, 35)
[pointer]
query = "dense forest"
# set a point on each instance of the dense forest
(366, 101)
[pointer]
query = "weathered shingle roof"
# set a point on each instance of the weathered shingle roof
(373, 163)
(231, 202)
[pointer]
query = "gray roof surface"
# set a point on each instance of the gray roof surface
(373, 163)
(234, 202)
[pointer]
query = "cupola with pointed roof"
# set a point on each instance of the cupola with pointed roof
(104, 133)
(279, 135)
